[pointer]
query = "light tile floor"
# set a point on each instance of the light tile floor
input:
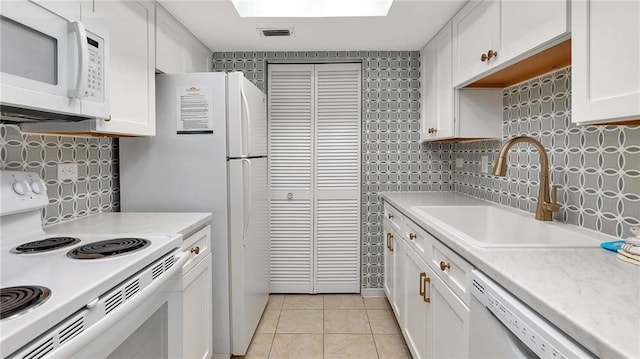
(327, 326)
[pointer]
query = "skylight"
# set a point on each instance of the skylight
(312, 8)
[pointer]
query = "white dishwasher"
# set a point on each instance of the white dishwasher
(503, 327)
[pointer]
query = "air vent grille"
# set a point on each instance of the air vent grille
(40, 350)
(157, 270)
(168, 263)
(72, 330)
(276, 32)
(113, 302)
(131, 289)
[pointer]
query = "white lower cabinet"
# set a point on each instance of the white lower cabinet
(433, 318)
(418, 316)
(391, 252)
(197, 295)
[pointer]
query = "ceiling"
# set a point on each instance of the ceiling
(408, 26)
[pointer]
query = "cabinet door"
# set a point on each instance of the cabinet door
(132, 66)
(527, 25)
(389, 279)
(417, 315)
(450, 330)
(475, 32)
(605, 53)
(197, 301)
(438, 118)
(177, 50)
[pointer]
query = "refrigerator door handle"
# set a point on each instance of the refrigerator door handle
(246, 199)
(245, 104)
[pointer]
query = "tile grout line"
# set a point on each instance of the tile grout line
(371, 329)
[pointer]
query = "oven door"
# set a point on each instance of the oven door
(140, 318)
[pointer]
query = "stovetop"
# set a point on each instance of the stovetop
(73, 283)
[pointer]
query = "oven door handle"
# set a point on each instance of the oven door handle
(74, 345)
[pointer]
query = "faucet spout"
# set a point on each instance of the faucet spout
(546, 206)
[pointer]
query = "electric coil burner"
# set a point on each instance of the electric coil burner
(108, 248)
(17, 300)
(46, 245)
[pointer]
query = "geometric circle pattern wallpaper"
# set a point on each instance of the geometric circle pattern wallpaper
(596, 168)
(392, 157)
(95, 190)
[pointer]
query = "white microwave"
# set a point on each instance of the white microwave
(52, 66)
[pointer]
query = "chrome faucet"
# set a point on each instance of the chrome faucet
(546, 206)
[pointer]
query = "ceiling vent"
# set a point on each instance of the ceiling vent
(276, 32)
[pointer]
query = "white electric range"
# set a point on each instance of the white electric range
(82, 296)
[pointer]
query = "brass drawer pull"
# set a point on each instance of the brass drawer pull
(423, 275)
(391, 242)
(412, 236)
(444, 266)
(491, 54)
(195, 250)
(425, 297)
(390, 215)
(483, 57)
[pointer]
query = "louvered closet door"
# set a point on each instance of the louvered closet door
(315, 175)
(337, 169)
(291, 109)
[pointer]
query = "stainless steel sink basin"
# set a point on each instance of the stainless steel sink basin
(492, 226)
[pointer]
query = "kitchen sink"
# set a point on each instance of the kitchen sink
(492, 226)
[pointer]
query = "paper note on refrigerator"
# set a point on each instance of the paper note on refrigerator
(195, 109)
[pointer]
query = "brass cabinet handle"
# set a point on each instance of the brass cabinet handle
(391, 242)
(390, 215)
(425, 297)
(491, 54)
(107, 119)
(484, 57)
(413, 236)
(444, 266)
(388, 234)
(423, 275)
(432, 130)
(195, 250)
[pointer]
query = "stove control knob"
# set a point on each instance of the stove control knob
(20, 187)
(37, 186)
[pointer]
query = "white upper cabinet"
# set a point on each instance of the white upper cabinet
(527, 25)
(177, 50)
(132, 65)
(437, 88)
(606, 61)
(475, 32)
(450, 113)
(490, 35)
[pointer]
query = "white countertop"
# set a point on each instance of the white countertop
(586, 292)
(131, 223)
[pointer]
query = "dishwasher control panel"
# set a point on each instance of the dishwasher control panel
(540, 336)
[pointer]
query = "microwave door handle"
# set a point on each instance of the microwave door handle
(83, 59)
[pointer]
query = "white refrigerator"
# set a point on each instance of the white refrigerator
(210, 155)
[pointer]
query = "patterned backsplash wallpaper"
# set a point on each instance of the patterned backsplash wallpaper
(95, 190)
(597, 168)
(392, 157)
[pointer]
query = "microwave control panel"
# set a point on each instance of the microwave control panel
(95, 85)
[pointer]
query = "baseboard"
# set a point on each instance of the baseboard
(372, 292)
(221, 356)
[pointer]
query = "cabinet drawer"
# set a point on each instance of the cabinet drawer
(453, 270)
(394, 216)
(418, 239)
(198, 245)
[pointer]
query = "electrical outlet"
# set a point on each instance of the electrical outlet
(484, 164)
(459, 162)
(67, 171)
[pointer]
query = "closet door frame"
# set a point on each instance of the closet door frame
(314, 150)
